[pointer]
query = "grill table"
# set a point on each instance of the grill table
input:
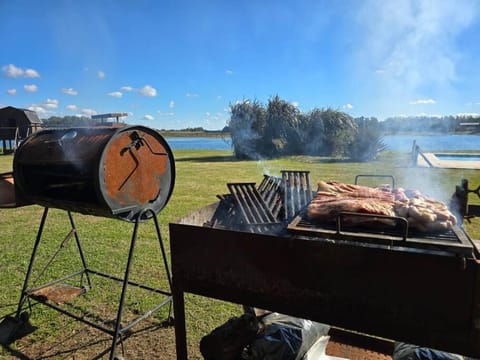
(430, 298)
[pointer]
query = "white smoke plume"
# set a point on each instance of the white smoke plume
(408, 48)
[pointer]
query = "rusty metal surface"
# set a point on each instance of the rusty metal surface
(7, 190)
(354, 352)
(58, 293)
(417, 297)
(103, 171)
(358, 347)
(9, 197)
(132, 176)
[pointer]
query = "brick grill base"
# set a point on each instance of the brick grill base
(353, 352)
(356, 347)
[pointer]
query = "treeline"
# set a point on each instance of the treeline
(279, 128)
(430, 124)
(73, 121)
(69, 121)
(198, 129)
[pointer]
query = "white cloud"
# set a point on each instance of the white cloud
(347, 106)
(148, 117)
(70, 91)
(12, 71)
(38, 109)
(295, 104)
(228, 72)
(11, 91)
(88, 112)
(422, 102)
(72, 107)
(30, 88)
(147, 90)
(51, 104)
(101, 74)
(171, 104)
(115, 94)
(191, 95)
(30, 73)
(126, 88)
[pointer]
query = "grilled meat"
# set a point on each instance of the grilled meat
(422, 213)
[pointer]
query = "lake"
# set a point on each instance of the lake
(203, 143)
(394, 142)
(433, 142)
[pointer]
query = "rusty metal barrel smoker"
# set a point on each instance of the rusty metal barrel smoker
(126, 173)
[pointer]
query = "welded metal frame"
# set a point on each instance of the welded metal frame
(119, 332)
(420, 297)
(459, 201)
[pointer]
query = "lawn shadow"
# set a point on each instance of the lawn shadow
(219, 158)
(91, 343)
(333, 161)
(232, 158)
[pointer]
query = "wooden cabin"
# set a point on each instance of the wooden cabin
(15, 125)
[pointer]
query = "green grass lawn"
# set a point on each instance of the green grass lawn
(200, 176)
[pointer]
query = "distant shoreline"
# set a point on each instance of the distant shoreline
(180, 133)
(223, 134)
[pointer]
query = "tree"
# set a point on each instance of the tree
(247, 125)
(281, 129)
(368, 141)
(69, 121)
(282, 133)
(330, 132)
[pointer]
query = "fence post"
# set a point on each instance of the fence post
(414, 153)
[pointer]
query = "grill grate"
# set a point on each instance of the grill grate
(271, 191)
(455, 240)
(250, 203)
(297, 191)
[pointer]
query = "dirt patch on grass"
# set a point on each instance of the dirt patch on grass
(149, 340)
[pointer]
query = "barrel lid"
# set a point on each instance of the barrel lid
(136, 173)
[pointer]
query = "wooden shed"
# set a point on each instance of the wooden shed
(15, 125)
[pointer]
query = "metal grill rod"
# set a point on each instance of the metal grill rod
(251, 203)
(297, 191)
(271, 190)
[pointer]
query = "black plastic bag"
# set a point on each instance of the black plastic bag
(227, 341)
(278, 342)
(284, 338)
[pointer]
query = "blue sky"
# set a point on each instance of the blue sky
(178, 64)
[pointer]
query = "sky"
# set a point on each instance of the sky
(183, 63)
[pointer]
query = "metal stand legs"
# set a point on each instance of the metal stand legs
(119, 331)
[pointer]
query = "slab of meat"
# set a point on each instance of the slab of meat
(422, 213)
(356, 191)
(329, 209)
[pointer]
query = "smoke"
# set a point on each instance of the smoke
(408, 49)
